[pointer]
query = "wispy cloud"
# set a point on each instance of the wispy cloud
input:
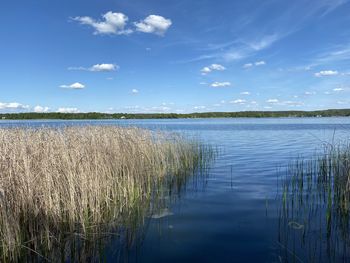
(158, 109)
(343, 102)
(264, 42)
(199, 107)
(163, 108)
(284, 103)
(104, 67)
(257, 64)
(331, 54)
(272, 101)
(325, 73)
(260, 63)
(238, 101)
(253, 36)
(248, 65)
(292, 103)
(234, 54)
(308, 93)
(217, 84)
(134, 91)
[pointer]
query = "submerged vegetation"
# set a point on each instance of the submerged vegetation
(240, 114)
(315, 208)
(60, 189)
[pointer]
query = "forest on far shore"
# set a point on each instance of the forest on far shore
(240, 114)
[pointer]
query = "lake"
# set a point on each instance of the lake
(231, 214)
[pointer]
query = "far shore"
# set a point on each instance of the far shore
(195, 115)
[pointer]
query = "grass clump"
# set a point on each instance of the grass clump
(81, 179)
(315, 207)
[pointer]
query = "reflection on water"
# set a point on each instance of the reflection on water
(67, 244)
(236, 216)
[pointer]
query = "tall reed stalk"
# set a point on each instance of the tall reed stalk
(315, 207)
(77, 179)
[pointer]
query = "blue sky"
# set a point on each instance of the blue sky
(174, 56)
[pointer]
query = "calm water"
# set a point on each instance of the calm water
(232, 216)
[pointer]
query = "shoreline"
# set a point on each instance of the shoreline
(195, 115)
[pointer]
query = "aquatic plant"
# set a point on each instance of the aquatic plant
(83, 182)
(315, 208)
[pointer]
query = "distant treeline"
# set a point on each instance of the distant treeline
(241, 114)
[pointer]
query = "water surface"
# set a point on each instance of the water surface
(232, 215)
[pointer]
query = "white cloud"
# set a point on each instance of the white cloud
(160, 109)
(205, 70)
(342, 102)
(134, 91)
(285, 103)
(154, 109)
(217, 67)
(13, 106)
(257, 64)
(153, 24)
(338, 89)
(248, 65)
(199, 107)
(39, 108)
(292, 103)
(245, 93)
(324, 73)
(167, 103)
(75, 85)
(260, 63)
(68, 110)
(212, 67)
(113, 23)
(310, 93)
(104, 67)
(220, 84)
(135, 108)
(238, 101)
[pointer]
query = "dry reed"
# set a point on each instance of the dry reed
(76, 178)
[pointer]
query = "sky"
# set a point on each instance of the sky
(160, 56)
